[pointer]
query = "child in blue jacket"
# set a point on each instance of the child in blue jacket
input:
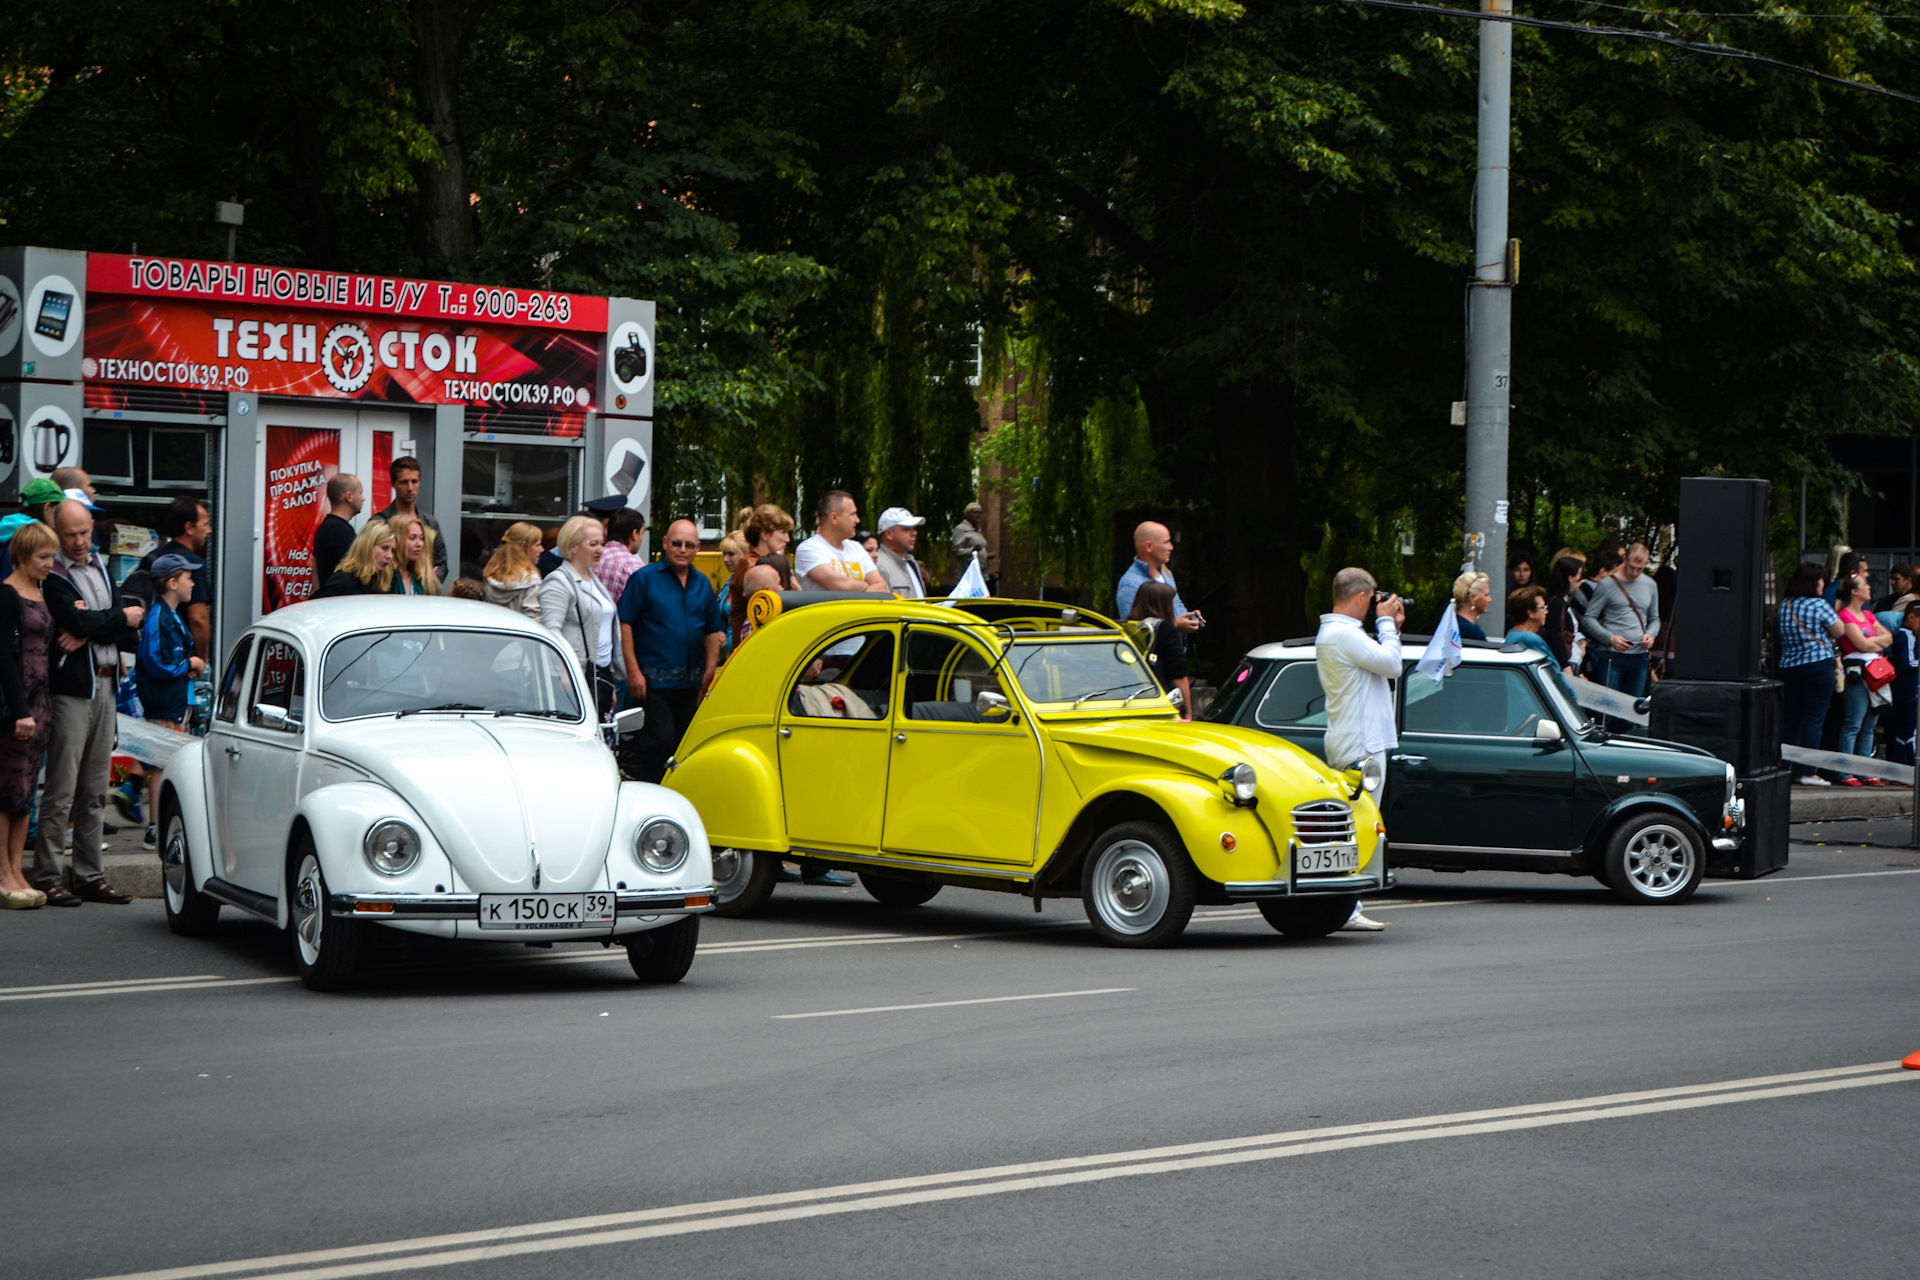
(164, 663)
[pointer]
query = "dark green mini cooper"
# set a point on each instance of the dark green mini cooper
(1498, 769)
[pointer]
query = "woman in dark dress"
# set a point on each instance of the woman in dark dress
(1560, 630)
(367, 568)
(1153, 604)
(26, 632)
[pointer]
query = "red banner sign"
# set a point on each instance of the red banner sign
(112, 273)
(300, 461)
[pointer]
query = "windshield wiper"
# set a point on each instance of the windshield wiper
(527, 711)
(445, 706)
(1089, 697)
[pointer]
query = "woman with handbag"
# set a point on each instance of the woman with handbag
(1867, 671)
(575, 607)
(1804, 631)
(26, 635)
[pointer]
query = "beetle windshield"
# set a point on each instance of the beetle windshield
(1077, 670)
(384, 673)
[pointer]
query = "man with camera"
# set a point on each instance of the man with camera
(1354, 672)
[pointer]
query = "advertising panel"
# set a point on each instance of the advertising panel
(300, 461)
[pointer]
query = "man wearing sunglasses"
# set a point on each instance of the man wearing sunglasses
(671, 622)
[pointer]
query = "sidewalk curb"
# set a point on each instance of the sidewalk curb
(1831, 804)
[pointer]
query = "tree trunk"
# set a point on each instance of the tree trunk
(443, 230)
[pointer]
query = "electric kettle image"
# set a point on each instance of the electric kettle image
(51, 440)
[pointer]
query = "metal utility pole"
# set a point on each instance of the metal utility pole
(1490, 318)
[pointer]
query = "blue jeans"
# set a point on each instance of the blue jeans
(1856, 725)
(1809, 689)
(1626, 672)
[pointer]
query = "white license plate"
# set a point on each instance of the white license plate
(545, 910)
(1319, 859)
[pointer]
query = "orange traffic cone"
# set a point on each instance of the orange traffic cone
(1912, 1061)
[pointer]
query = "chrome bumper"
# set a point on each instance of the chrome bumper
(466, 906)
(1736, 809)
(1376, 878)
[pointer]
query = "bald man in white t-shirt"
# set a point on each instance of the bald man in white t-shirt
(831, 560)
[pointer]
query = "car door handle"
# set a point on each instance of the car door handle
(786, 733)
(899, 737)
(1409, 759)
(233, 753)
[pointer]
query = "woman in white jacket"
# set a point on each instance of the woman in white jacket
(575, 607)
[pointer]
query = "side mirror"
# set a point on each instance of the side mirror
(276, 718)
(1642, 706)
(991, 704)
(630, 721)
(1548, 731)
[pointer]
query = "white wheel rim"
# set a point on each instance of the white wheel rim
(732, 868)
(1659, 860)
(173, 864)
(309, 910)
(1131, 887)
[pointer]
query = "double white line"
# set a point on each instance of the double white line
(133, 986)
(751, 1211)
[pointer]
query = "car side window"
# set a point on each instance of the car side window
(1487, 701)
(279, 684)
(846, 680)
(227, 706)
(1294, 700)
(949, 678)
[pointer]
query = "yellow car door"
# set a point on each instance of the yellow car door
(833, 743)
(963, 783)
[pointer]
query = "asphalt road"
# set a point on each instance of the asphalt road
(1240, 1106)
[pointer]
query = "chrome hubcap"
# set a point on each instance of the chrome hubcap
(1659, 860)
(1131, 887)
(173, 864)
(732, 868)
(309, 895)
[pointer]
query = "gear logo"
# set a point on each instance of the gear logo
(346, 357)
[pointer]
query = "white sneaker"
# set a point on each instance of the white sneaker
(1813, 780)
(1358, 923)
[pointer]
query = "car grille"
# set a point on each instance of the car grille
(1323, 822)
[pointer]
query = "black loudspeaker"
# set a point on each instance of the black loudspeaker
(1763, 849)
(1737, 720)
(1723, 562)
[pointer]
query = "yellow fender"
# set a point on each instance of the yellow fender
(733, 779)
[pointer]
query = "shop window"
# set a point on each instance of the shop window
(503, 484)
(177, 459)
(107, 453)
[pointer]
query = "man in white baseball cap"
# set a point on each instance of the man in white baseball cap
(899, 529)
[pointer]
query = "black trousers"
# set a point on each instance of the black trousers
(669, 712)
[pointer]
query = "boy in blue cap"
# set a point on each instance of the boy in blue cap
(165, 663)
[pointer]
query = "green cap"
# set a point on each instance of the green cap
(41, 490)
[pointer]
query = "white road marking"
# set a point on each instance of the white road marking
(949, 1004)
(138, 987)
(586, 1232)
(110, 982)
(1838, 875)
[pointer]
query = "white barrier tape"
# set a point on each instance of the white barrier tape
(1858, 766)
(149, 743)
(1597, 697)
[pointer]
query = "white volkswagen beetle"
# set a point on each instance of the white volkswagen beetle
(427, 765)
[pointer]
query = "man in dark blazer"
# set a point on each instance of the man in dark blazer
(84, 679)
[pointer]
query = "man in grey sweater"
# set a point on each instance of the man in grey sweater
(1622, 620)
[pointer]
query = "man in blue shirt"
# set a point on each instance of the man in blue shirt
(1152, 547)
(671, 622)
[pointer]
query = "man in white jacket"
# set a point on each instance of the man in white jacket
(1354, 671)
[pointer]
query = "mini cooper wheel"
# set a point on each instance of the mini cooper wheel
(889, 892)
(190, 913)
(326, 948)
(1138, 885)
(1654, 858)
(1313, 917)
(743, 881)
(664, 954)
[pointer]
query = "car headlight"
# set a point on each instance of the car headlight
(661, 845)
(1242, 783)
(1371, 775)
(392, 847)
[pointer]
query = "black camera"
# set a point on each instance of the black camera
(1373, 607)
(630, 361)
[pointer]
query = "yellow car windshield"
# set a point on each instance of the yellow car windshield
(1080, 670)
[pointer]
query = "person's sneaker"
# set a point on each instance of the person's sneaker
(1849, 781)
(151, 840)
(1872, 782)
(831, 879)
(1813, 780)
(1359, 923)
(127, 801)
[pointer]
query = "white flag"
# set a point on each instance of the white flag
(1443, 651)
(972, 585)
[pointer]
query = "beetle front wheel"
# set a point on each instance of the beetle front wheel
(1138, 885)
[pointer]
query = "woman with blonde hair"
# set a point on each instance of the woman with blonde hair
(576, 607)
(512, 576)
(413, 573)
(732, 548)
(367, 568)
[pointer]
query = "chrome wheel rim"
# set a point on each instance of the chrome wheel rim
(1131, 887)
(309, 898)
(173, 864)
(1659, 860)
(732, 868)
